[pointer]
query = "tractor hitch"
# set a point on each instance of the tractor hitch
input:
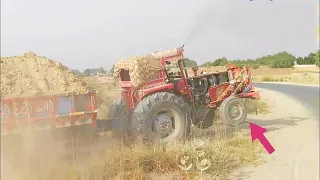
(113, 124)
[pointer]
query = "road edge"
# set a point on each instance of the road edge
(289, 83)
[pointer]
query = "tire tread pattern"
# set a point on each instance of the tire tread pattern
(145, 106)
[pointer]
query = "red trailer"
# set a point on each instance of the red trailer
(45, 119)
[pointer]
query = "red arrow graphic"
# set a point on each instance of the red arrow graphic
(257, 132)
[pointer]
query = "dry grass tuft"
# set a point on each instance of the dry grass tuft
(257, 107)
(297, 77)
(271, 79)
(204, 156)
(212, 155)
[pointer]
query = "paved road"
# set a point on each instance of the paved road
(307, 95)
(292, 130)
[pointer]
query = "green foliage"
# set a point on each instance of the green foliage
(282, 60)
(316, 58)
(219, 62)
(279, 60)
(189, 62)
(310, 59)
(207, 64)
(102, 70)
(86, 72)
(76, 72)
(112, 69)
(255, 66)
(300, 60)
(93, 71)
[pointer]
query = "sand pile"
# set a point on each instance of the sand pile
(31, 75)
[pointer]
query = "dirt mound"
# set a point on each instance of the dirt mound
(31, 75)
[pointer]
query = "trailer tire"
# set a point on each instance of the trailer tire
(117, 109)
(226, 108)
(145, 120)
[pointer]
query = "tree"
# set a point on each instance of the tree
(300, 60)
(102, 70)
(86, 72)
(282, 60)
(307, 59)
(220, 62)
(316, 58)
(112, 69)
(76, 72)
(207, 64)
(279, 60)
(189, 62)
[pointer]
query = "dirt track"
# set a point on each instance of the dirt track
(294, 133)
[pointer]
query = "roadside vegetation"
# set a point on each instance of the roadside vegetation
(203, 156)
(214, 154)
(279, 60)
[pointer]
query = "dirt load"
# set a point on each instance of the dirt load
(32, 75)
(141, 68)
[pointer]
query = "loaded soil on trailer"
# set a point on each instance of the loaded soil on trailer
(33, 75)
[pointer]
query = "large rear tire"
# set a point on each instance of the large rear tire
(162, 116)
(119, 110)
(233, 111)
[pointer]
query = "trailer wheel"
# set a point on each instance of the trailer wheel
(161, 116)
(121, 129)
(233, 111)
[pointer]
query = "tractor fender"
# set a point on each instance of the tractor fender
(147, 92)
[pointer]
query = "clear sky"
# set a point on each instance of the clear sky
(86, 34)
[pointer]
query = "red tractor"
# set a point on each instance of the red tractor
(161, 105)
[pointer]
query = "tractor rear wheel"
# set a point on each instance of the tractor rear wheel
(162, 116)
(233, 111)
(119, 111)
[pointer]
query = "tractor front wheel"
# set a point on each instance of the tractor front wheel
(161, 116)
(233, 111)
